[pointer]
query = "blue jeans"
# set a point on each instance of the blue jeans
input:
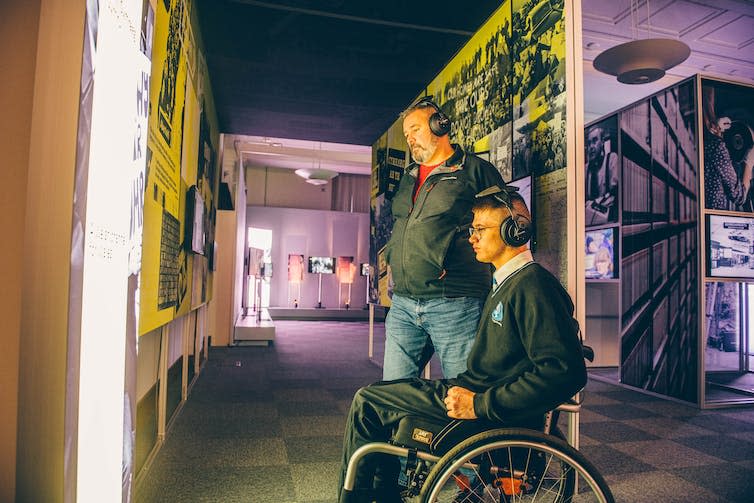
(450, 323)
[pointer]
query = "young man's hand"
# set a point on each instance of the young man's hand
(460, 403)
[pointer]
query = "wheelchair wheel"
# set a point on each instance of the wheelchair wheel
(514, 465)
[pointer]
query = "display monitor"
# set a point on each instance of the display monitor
(267, 269)
(600, 249)
(194, 230)
(321, 265)
(730, 246)
(365, 269)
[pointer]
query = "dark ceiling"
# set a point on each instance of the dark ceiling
(327, 70)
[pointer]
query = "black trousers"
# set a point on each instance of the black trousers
(375, 413)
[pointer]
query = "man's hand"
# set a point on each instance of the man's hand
(460, 403)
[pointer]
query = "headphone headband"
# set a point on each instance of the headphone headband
(503, 194)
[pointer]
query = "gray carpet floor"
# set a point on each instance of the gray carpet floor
(265, 425)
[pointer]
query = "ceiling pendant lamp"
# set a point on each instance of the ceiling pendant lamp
(316, 176)
(641, 61)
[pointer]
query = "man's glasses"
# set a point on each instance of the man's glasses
(478, 230)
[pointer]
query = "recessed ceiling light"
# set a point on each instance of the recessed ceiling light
(708, 66)
(592, 46)
(732, 71)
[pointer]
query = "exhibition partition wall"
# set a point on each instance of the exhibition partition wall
(505, 93)
(178, 216)
(647, 237)
(143, 234)
(641, 244)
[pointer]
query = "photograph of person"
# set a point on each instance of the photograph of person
(599, 254)
(601, 172)
(728, 118)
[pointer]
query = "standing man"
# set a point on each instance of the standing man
(438, 286)
(526, 358)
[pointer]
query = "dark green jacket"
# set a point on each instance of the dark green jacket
(527, 357)
(428, 252)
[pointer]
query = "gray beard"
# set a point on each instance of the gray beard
(423, 155)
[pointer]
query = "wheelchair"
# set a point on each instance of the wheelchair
(479, 462)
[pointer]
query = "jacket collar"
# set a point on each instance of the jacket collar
(452, 163)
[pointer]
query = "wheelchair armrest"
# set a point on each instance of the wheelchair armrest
(457, 431)
(587, 352)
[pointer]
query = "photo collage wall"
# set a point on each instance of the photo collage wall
(727, 111)
(180, 191)
(601, 174)
(504, 92)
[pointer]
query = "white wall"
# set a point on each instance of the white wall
(282, 188)
(313, 233)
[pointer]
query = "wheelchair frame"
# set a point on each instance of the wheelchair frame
(543, 442)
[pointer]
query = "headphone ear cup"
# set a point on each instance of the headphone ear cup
(515, 231)
(439, 124)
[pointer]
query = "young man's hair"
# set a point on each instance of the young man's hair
(494, 202)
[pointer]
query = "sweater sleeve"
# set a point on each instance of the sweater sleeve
(555, 370)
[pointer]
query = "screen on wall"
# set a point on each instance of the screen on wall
(195, 232)
(365, 269)
(730, 246)
(321, 265)
(599, 247)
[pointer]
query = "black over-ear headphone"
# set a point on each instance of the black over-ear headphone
(516, 230)
(738, 138)
(439, 123)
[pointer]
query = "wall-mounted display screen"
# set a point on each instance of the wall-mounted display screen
(365, 269)
(730, 246)
(195, 232)
(267, 269)
(321, 265)
(600, 261)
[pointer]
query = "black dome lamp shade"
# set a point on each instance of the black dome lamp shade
(642, 61)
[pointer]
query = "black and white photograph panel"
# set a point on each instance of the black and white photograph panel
(601, 172)
(731, 246)
(728, 120)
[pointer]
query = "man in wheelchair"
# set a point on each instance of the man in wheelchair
(526, 359)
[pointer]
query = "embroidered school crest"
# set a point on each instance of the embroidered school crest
(497, 314)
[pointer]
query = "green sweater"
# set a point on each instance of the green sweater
(527, 356)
